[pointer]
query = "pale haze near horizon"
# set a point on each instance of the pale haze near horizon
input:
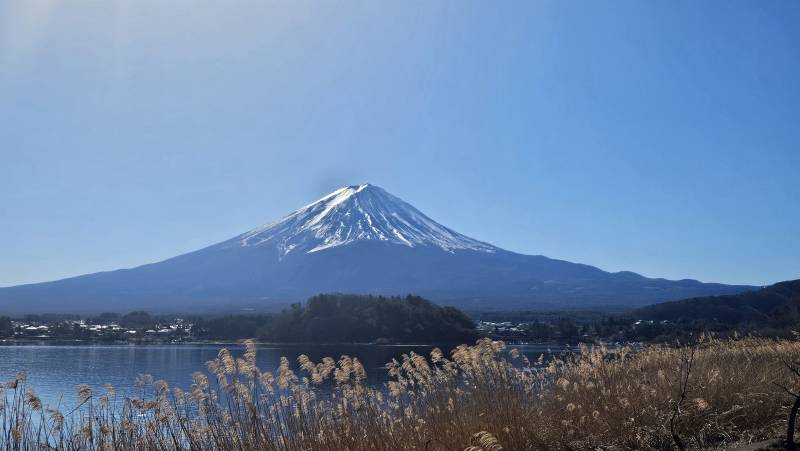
(657, 138)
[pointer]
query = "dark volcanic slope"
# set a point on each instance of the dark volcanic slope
(358, 239)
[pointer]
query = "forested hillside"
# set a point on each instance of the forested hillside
(774, 306)
(355, 318)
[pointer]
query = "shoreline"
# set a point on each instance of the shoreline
(44, 341)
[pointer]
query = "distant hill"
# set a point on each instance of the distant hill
(776, 305)
(353, 318)
(358, 239)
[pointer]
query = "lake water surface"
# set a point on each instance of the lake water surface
(53, 371)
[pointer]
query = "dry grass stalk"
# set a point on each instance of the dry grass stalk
(483, 397)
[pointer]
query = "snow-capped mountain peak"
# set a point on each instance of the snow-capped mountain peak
(352, 214)
(357, 239)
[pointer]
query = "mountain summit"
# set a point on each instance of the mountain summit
(356, 213)
(357, 239)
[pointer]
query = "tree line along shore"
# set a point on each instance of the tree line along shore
(346, 318)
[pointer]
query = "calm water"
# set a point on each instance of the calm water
(54, 370)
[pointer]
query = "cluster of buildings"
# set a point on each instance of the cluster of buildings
(504, 328)
(82, 329)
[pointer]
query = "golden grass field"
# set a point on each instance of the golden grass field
(482, 397)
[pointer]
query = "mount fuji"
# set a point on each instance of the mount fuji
(358, 239)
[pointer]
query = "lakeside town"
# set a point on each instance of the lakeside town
(142, 327)
(177, 329)
(132, 327)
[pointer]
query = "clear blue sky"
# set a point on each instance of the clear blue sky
(658, 137)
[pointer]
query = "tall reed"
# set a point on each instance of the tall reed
(481, 397)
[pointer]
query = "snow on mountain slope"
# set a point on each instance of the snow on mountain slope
(351, 214)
